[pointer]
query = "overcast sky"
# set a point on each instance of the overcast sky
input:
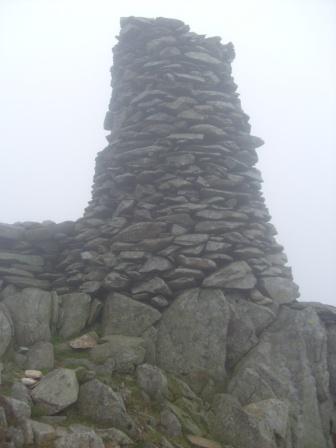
(55, 57)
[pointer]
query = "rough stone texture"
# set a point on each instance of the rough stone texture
(56, 391)
(80, 440)
(152, 381)
(75, 313)
(192, 333)
(6, 329)
(30, 310)
(233, 425)
(43, 433)
(290, 363)
(237, 275)
(101, 404)
(40, 356)
(122, 315)
(126, 352)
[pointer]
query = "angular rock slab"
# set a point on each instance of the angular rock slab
(290, 364)
(122, 315)
(237, 275)
(100, 403)
(282, 290)
(30, 310)
(192, 334)
(56, 391)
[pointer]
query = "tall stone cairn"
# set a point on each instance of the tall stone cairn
(172, 280)
(177, 200)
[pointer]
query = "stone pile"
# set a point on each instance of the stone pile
(166, 316)
(176, 199)
(29, 251)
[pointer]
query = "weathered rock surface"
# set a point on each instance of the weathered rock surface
(75, 310)
(101, 404)
(40, 356)
(192, 334)
(6, 329)
(126, 352)
(30, 310)
(122, 315)
(56, 391)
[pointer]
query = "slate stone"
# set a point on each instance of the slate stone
(153, 286)
(237, 275)
(141, 230)
(11, 232)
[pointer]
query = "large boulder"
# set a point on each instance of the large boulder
(56, 391)
(75, 311)
(100, 403)
(290, 363)
(192, 334)
(247, 321)
(122, 315)
(30, 310)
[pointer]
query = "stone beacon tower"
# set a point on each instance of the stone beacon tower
(176, 189)
(175, 270)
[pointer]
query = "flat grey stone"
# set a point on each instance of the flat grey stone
(34, 260)
(141, 230)
(153, 286)
(205, 58)
(116, 281)
(237, 275)
(156, 264)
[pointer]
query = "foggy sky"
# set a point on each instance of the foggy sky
(55, 57)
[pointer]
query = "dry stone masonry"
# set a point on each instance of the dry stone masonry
(167, 315)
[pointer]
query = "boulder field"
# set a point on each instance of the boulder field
(167, 315)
